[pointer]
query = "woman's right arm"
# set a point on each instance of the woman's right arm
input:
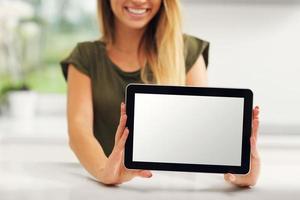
(89, 152)
(80, 123)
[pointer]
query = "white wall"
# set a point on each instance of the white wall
(253, 45)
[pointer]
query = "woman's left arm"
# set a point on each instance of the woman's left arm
(197, 76)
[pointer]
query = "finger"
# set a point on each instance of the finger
(255, 122)
(255, 112)
(254, 163)
(123, 109)
(121, 127)
(143, 173)
(254, 151)
(122, 141)
(240, 181)
(228, 177)
(122, 123)
(231, 178)
(255, 126)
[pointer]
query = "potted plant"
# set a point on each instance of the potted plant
(22, 33)
(19, 101)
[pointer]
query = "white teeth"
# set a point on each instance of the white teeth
(136, 11)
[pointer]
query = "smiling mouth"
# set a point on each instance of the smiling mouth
(137, 11)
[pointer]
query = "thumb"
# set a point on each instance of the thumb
(231, 178)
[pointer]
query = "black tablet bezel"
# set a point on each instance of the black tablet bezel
(247, 94)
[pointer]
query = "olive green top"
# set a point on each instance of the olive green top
(109, 82)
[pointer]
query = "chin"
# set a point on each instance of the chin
(136, 25)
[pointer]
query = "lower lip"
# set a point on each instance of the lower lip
(136, 16)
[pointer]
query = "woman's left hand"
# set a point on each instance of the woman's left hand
(251, 178)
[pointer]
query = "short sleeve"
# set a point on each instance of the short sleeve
(79, 58)
(193, 48)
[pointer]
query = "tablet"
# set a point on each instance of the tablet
(191, 129)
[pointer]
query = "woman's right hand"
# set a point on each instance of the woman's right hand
(114, 171)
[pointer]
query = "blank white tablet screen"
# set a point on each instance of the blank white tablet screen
(188, 129)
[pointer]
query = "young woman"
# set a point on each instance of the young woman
(141, 42)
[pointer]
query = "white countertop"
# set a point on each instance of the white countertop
(43, 167)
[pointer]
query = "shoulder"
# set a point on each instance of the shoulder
(83, 56)
(194, 43)
(90, 47)
(193, 48)
(89, 52)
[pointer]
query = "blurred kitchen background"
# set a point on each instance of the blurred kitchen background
(34, 36)
(254, 44)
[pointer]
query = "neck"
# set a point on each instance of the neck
(127, 39)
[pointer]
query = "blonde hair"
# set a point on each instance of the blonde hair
(165, 56)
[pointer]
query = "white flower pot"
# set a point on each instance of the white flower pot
(22, 104)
